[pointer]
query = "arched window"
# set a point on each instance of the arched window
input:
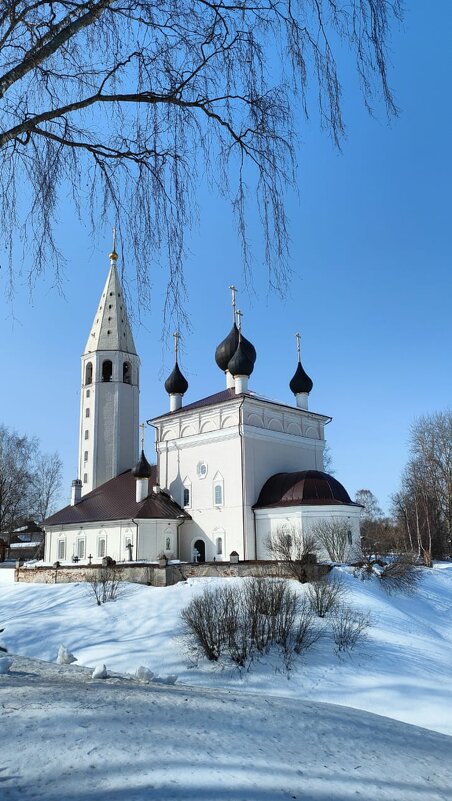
(127, 373)
(107, 370)
(218, 490)
(89, 373)
(101, 547)
(186, 492)
(219, 546)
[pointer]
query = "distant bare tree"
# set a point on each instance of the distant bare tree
(47, 477)
(423, 505)
(29, 481)
(120, 105)
(17, 454)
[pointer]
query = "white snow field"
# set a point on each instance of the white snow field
(218, 734)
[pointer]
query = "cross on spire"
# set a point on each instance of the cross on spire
(143, 427)
(233, 291)
(239, 315)
(297, 337)
(176, 336)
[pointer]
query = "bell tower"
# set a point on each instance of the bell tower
(110, 390)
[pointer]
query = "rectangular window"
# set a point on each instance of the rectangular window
(85, 456)
(218, 492)
(87, 393)
(186, 496)
(101, 547)
(81, 548)
(86, 434)
(85, 478)
(61, 549)
(87, 412)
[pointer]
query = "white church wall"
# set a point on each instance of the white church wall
(302, 519)
(83, 541)
(206, 453)
(270, 438)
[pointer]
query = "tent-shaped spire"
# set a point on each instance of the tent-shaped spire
(111, 328)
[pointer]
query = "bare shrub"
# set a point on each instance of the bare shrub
(335, 537)
(306, 632)
(293, 548)
(401, 574)
(206, 619)
(325, 595)
(244, 621)
(349, 628)
(104, 583)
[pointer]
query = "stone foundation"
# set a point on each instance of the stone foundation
(156, 576)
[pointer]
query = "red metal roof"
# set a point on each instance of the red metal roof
(305, 488)
(115, 500)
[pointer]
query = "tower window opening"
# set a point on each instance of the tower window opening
(127, 373)
(186, 496)
(218, 493)
(85, 478)
(86, 434)
(87, 412)
(85, 456)
(89, 373)
(109, 306)
(219, 546)
(111, 293)
(107, 370)
(88, 393)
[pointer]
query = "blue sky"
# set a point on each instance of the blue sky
(371, 290)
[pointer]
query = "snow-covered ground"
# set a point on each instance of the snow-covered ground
(219, 734)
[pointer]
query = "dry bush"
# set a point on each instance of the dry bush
(335, 537)
(293, 548)
(104, 583)
(325, 595)
(244, 620)
(349, 628)
(401, 574)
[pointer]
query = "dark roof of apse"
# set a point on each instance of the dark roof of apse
(303, 488)
(230, 395)
(115, 500)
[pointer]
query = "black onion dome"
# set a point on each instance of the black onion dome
(226, 349)
(305, 488)
(143, 469)
(300, 381)
(176, 383)
(241, 364)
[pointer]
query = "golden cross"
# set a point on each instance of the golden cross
(142, 426)
(233, 290)
(176, 336)
(297, 337)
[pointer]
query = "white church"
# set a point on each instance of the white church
(231, 469)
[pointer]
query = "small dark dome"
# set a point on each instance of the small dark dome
(176, 383)
(300, 381)
(241, 364)
(306, 488)
(143, 469)
(228, 347)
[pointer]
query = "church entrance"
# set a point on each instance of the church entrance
(200, 546)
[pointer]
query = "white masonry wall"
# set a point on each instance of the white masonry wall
(238, 443)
